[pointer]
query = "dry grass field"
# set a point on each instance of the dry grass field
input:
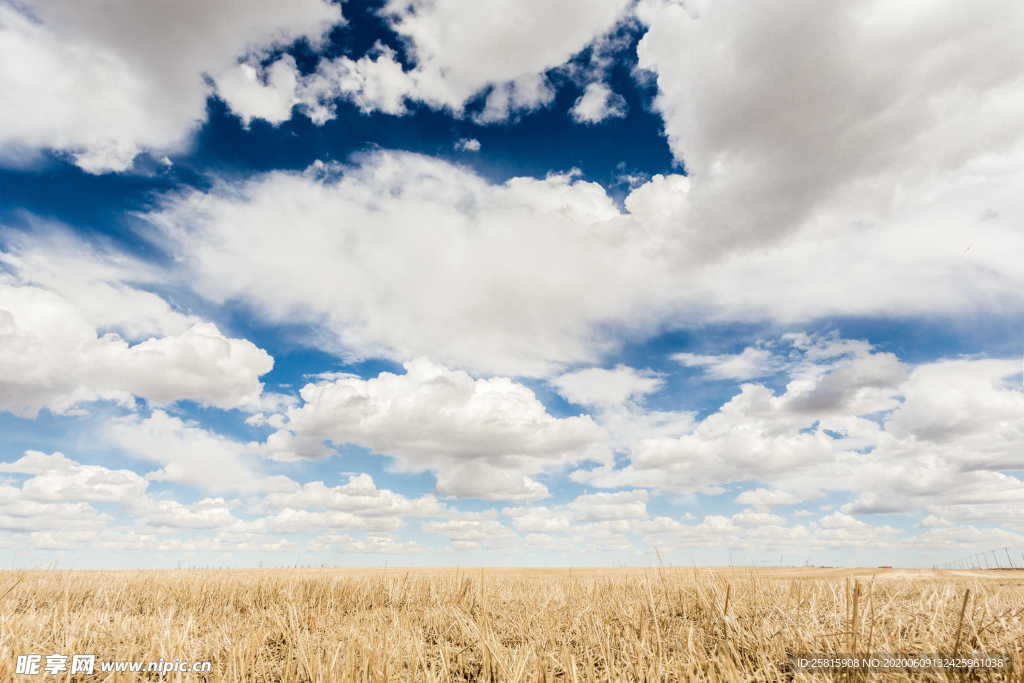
(671, 624)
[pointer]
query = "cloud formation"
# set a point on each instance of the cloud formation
(104, 82)
(572, 275)
(52, 357)
(598, 103)
(818, 110)
(481, 438)
(523, 279)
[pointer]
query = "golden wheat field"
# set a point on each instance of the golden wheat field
(657, 624)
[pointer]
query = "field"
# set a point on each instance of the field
(673, 624)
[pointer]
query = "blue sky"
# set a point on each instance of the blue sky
(580, 283)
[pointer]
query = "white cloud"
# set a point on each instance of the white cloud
(937, 437)
(595, 521)
(36, 508)
(538, 518)
(473, 531)
(107, 287)
(104, 82)
(810, 110)
(54, 355)
(997, 512)
(374, 82)
(758, 435)
(59, 486)
(767, 498)
(290, 520)
(86, 482)
(856, 386)
(208, 513)
(607, 387)
(255, 93)
(483, 438)
(750, 437)
(750, 363)
(615, 395)
(480, 45)
(758, 519)
(606, 507)
(719, 531)
(53, 499)
(523, 281)
(359, 495)
(971, 537)
(571, 275)
(188, 453)
(377, 543)
(980, 399)
(597, 103)
(37, 462)
(467, 145)
(456, 52)
(459, 50)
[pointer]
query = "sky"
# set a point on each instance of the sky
(514, 282)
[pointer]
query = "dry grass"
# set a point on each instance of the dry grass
(669, 624)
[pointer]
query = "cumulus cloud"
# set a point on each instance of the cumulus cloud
(474, 531)
(571, 273)
(597, 103)
(376, 81)
(52, 357)
(207, 513)
(749, 437)
(523, 280)
(617, 522)
(69, 315)
(896, 438)
(720, 531)
(454, 54)
(758, 519)
(290, 520)
(607, 387)
(109, 288)
(60, 486)
(606, 507)
(55, 496)
(105, 82)
(813, 110)
(767, 498)
(615, 396)
(538, 519)
(760, 435)
(460, 50)
(982, 398)
(358, 495)
(375, 543)
(37, 462)
(601, 521)
(750, 363)
(57, 478)
(482, 438)
(188, 453)
(467, 145)
(20, 515)
(267, 93)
